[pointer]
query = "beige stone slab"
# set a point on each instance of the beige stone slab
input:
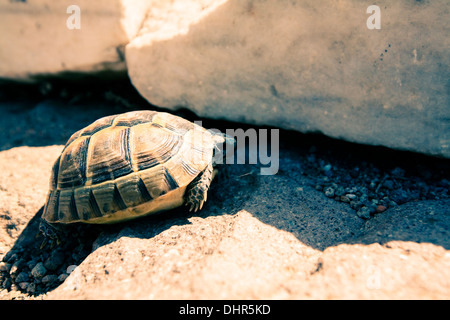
(306, 65)
(35, 38)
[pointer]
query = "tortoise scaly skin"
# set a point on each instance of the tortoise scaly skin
(129, 165)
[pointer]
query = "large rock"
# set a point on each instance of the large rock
(305, 65)
(36, 39)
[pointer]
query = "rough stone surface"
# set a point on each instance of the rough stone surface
(35, 38)
(309, 66)
(240, 257)
(23, 183)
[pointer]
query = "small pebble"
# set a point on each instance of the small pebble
(339, 191)
(7, 283)
(22, 277)
(381, 208)
(351, 196)
(355, 205)
(328, 173)
(39, 270)
(31, 288)
(389, 184)
(30, 264)
(364, 213)
(392, 204)
(10, 257)
(16, 267)
(4, 266)
(49, 279)
(329, 192)
(54, 261)
(372, 208)
(24, 285)
(399, 196)
(70, 268)
(364, 198)
(62, 277)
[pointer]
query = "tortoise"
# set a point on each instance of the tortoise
(126, 166)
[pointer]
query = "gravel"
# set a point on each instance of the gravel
(369, 179)
(54, 261)
(38, 271)
(34, 271)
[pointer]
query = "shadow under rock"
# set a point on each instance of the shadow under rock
(320, 222)
(50, 111)
(290, 203)
(44, 123)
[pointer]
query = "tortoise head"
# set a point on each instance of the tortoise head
(223, 147)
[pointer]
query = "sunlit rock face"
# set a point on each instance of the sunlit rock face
(304, 65)
(45, 37)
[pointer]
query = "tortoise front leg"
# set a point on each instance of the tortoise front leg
(197, 190)
(52, 233)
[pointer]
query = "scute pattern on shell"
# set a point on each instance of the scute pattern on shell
(121, 162)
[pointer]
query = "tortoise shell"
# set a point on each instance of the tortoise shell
(124, 166)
